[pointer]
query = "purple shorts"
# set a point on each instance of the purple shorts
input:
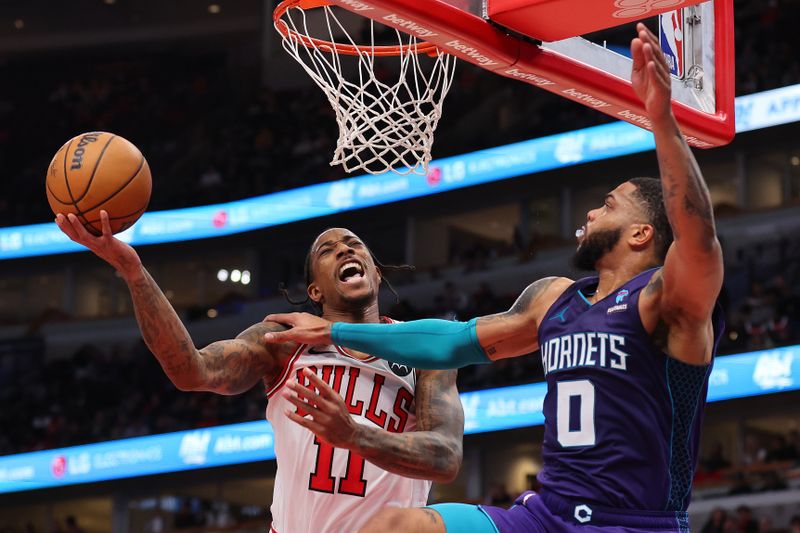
(547, 512)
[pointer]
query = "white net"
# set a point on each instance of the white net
(385, 123)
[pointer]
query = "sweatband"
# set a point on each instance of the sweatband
(425, 344)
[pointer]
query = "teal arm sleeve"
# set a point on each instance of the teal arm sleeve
(425, 344)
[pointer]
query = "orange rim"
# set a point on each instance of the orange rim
(346, 49)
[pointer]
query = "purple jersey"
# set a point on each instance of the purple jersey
(622, 419)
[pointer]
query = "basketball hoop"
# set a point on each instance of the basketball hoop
(383, 125)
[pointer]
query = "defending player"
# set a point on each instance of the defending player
(372, 426)
(626, 354)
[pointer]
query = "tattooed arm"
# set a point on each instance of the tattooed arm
(685, 291)
(515, 332)
(432, 451)
(225, 367)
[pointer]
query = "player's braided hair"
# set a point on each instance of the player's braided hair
(308, 277)
(650, 194)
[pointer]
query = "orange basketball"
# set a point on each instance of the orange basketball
(99, 170)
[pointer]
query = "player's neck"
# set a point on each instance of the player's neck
(366, 314)
(613, 275)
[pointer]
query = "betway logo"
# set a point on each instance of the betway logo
(527, 76)
(356, 5)
(471, 52)
(640, 8)
(586, 98)
(409, 25)
(635, 118)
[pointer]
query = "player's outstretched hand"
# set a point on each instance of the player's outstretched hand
(305, 328)
(107, 247)
(650, 76)
(329, 418)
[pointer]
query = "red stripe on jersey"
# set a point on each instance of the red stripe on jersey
(286, 371)
(344, 352)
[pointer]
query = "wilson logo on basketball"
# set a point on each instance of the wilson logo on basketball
(77, 155)
(637, 8)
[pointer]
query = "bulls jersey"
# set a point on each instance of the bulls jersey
(319, 488)
(622, 418)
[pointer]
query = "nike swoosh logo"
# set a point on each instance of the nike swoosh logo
(315, 352)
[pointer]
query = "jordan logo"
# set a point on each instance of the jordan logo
(560, 315)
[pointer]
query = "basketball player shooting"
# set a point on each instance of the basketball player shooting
(353, 434)
(626, 354)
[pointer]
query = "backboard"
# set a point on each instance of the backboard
(538, 42)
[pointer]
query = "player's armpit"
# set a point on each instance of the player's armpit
(234, 366)
(692, 282)
(515, 332)
(684, 336)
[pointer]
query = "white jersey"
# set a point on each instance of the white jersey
(321, 489)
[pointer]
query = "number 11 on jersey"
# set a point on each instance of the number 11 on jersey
(321, 479)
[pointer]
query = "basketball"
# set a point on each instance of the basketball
(95, 171)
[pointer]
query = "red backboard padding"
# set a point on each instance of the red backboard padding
(553, 20)
(471, 38)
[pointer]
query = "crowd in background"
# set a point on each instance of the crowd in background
(744, 520)
(208, 141)
(98, 394)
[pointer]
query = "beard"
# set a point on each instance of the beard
(359, 299)
(594, 247)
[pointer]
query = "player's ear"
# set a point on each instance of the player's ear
(315, 293)
(640, 236)
(380, 274)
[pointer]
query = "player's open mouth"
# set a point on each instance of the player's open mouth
(580, 232)
(351, 272)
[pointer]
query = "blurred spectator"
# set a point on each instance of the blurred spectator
(484, 301)
(451, 303)
(740, 485)
(715, 522)
(499, 496)
(72, 525)
(754, 452)
(773, 481)
(794, 525)
(716, 459)
(780, 450)
(794, 443)
(745, 523)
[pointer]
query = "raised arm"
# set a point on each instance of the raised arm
(687, 287)
(434, 344)
(432, 451)
(225, 367)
